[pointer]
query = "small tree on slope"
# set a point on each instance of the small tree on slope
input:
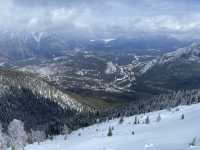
(158, 118)
(136, 120)
(147, 120)
(37, 136)
(109, 132)
(193, 143)
(65, 131)
(182, 117)
(121, 120)
(17, 134)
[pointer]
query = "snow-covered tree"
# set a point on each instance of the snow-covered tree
(147, 120)
(37, 136)
(158, 119)
(112, 128)
(136, 120)
(3, 143)
(97, 120)
(121, 120)
(65, 131)
(18, 136)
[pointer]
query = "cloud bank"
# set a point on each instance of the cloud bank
(107, 17)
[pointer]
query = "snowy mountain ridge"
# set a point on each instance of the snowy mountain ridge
(191, 54)
(188, 54)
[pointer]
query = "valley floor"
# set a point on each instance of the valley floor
(171, 133)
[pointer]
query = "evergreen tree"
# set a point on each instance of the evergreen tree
(109, 132)
(65, 131)
(36, 136)
(17, 134)
(147, 120)
(121, 120)
(193, 143)
(182, 117)
(158, 118)
(136, 120)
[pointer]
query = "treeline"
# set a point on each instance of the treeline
(157, 102)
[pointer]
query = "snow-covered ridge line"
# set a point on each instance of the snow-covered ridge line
(38, 86)
(190, 54)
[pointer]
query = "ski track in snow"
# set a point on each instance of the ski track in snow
(171, 133)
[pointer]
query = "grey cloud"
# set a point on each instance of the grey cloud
(102, 16)
(54, 3)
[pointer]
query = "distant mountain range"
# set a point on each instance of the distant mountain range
(18, 45)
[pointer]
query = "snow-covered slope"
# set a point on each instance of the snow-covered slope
(171, 133)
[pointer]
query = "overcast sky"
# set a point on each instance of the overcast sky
(174, 17)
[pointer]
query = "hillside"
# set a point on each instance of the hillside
(176, 70)
(38, 102)
(40, 86)
(171, 132)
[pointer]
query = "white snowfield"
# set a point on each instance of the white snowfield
(171, 133)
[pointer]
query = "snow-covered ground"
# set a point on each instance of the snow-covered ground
(171, 133)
